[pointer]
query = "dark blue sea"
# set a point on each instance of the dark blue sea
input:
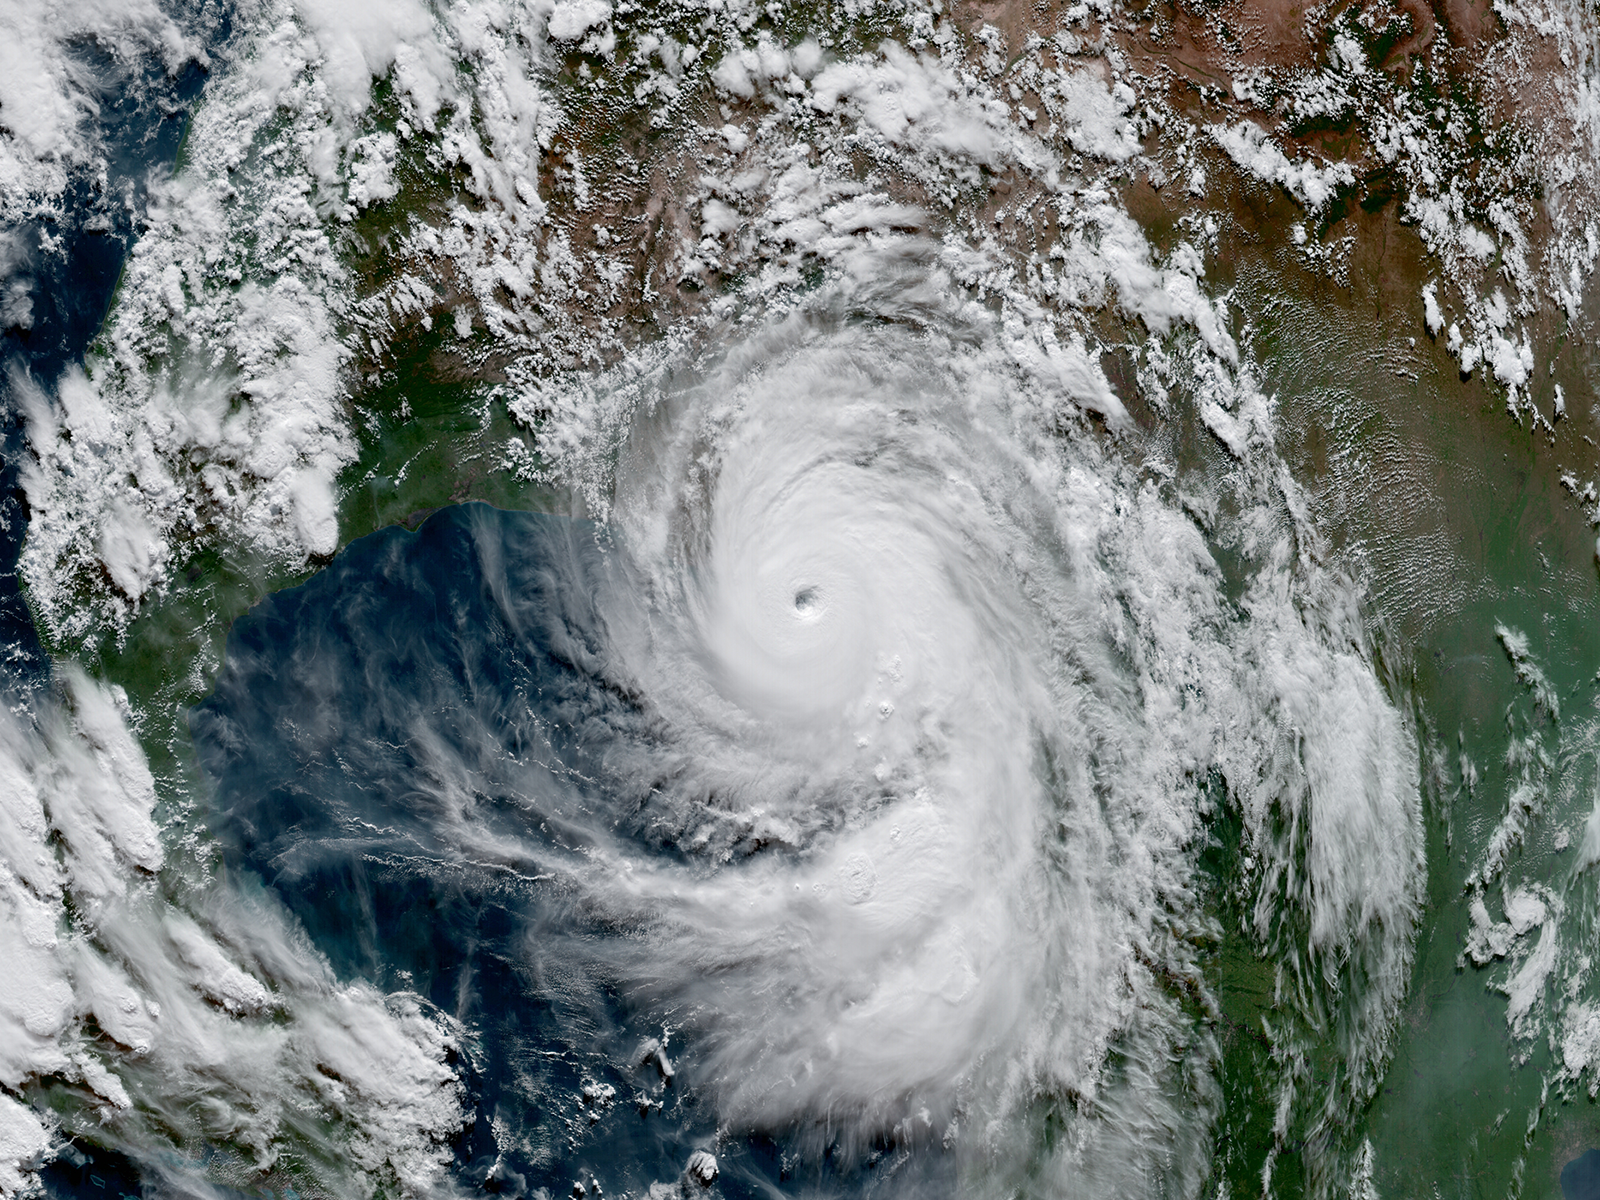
(401, 748)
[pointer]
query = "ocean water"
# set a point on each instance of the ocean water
(140, 119)
(427, 834)
(406, 825)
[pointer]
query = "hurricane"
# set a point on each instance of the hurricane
(854, 753)
(702, 600)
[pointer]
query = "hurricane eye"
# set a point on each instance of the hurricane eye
(805, 601)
